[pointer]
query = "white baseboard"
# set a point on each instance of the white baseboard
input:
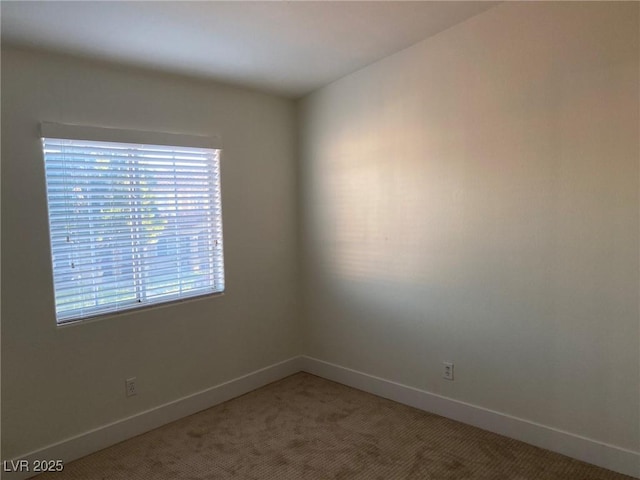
(574, 446)
(105, 436)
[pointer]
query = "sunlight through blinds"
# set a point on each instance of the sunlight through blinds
(131, 225)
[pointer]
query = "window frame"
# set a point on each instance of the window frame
(58, 131)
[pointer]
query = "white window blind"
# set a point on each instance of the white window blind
(131, 224)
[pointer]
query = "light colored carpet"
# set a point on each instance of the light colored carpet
(305, 427)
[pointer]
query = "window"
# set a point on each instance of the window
(132, 223)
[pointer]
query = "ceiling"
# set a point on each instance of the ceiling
(288, 48)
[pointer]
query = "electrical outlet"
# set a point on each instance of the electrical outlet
(447, 370)
(130, 386)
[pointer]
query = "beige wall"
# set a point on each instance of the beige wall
(474, 198)
(58, 382)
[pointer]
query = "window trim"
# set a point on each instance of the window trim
(105, 134)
